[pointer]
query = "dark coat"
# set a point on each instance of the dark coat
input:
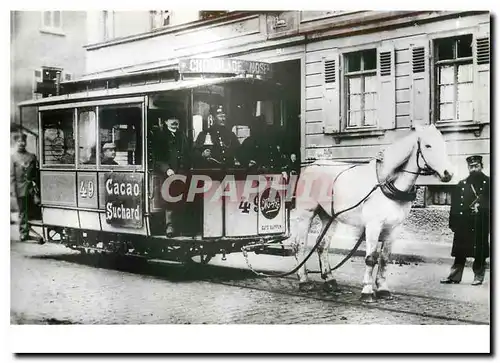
(23, 172)
(224, 149)
(471, 229)
(264, 152)
(170, 152)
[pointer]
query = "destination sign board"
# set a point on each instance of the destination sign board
(224, 65)
(123, 199)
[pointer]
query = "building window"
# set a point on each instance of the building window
(58, 137)
(109, 24)
(205, 15)
(438, 195)
(361, 88)
(52, 21)
(454, 79)
(160, 18)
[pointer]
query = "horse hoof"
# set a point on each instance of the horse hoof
(384, 294)
(306, 286)
(367, 298)
(331, 286)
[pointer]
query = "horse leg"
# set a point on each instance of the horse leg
(301, 232)
(383, 291)
(324, 262)
(372, 233)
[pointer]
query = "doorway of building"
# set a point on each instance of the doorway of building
(288, 74)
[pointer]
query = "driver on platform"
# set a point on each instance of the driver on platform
(217, 146)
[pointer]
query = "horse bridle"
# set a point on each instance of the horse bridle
(426, 169)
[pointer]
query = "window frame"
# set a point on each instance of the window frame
(456, 61)
(43, 165)
(108, 24)
(362, 73)
(139, 101)
(164, 14)
(51, 28)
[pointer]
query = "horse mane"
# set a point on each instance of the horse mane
(397, 154)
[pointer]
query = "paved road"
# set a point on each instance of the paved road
(52, 284)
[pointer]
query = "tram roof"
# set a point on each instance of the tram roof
(145, 89)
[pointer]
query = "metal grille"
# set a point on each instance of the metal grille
(418, 60)
(330, 71)
(483, 50)
(385, 63)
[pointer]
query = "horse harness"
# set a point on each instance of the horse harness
(387, 187)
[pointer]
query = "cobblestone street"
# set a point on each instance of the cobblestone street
(54, 285)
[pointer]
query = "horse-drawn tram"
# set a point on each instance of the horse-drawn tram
(166, 164)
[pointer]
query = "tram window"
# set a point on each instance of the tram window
(120, 135)
(87, 137)
(58, 137)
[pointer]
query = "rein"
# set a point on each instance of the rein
(318, 240)
(388, 189)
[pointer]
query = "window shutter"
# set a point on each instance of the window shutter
(331, 94)
(37, 78)
(420, 84)
(386, 76)
(481, 53)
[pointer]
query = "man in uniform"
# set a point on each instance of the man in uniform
(218, 145)
(23, 179)
(469, 220)
(109, 154)
(171, 155)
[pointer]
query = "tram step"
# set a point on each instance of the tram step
(283, 251)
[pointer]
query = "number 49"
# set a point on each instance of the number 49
(87, 189)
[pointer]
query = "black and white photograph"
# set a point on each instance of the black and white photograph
(215, 170)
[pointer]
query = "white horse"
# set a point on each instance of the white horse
(378, 212)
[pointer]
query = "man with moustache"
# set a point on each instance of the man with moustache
(217, 146)
(171, 156)
(470, 221)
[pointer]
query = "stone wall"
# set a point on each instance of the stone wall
(428, 224)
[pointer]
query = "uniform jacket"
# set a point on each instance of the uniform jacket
(171, 152)
(224, 148)
(471, 228)
(23, 172)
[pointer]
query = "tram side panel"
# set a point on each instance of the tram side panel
(78, 199)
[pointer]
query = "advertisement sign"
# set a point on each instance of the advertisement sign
(123, 199)
(224, 65)
(272, 206)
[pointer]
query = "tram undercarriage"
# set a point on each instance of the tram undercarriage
(175, 249)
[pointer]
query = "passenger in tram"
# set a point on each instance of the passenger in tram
(109, 154)
(261, 150)
(217, 146)
(171, 155)
(69, 153)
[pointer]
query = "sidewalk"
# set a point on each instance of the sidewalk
(403, 250)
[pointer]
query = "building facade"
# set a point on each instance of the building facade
(355, 80)
(44, 45)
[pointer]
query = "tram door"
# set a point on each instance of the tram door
(161, 107)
